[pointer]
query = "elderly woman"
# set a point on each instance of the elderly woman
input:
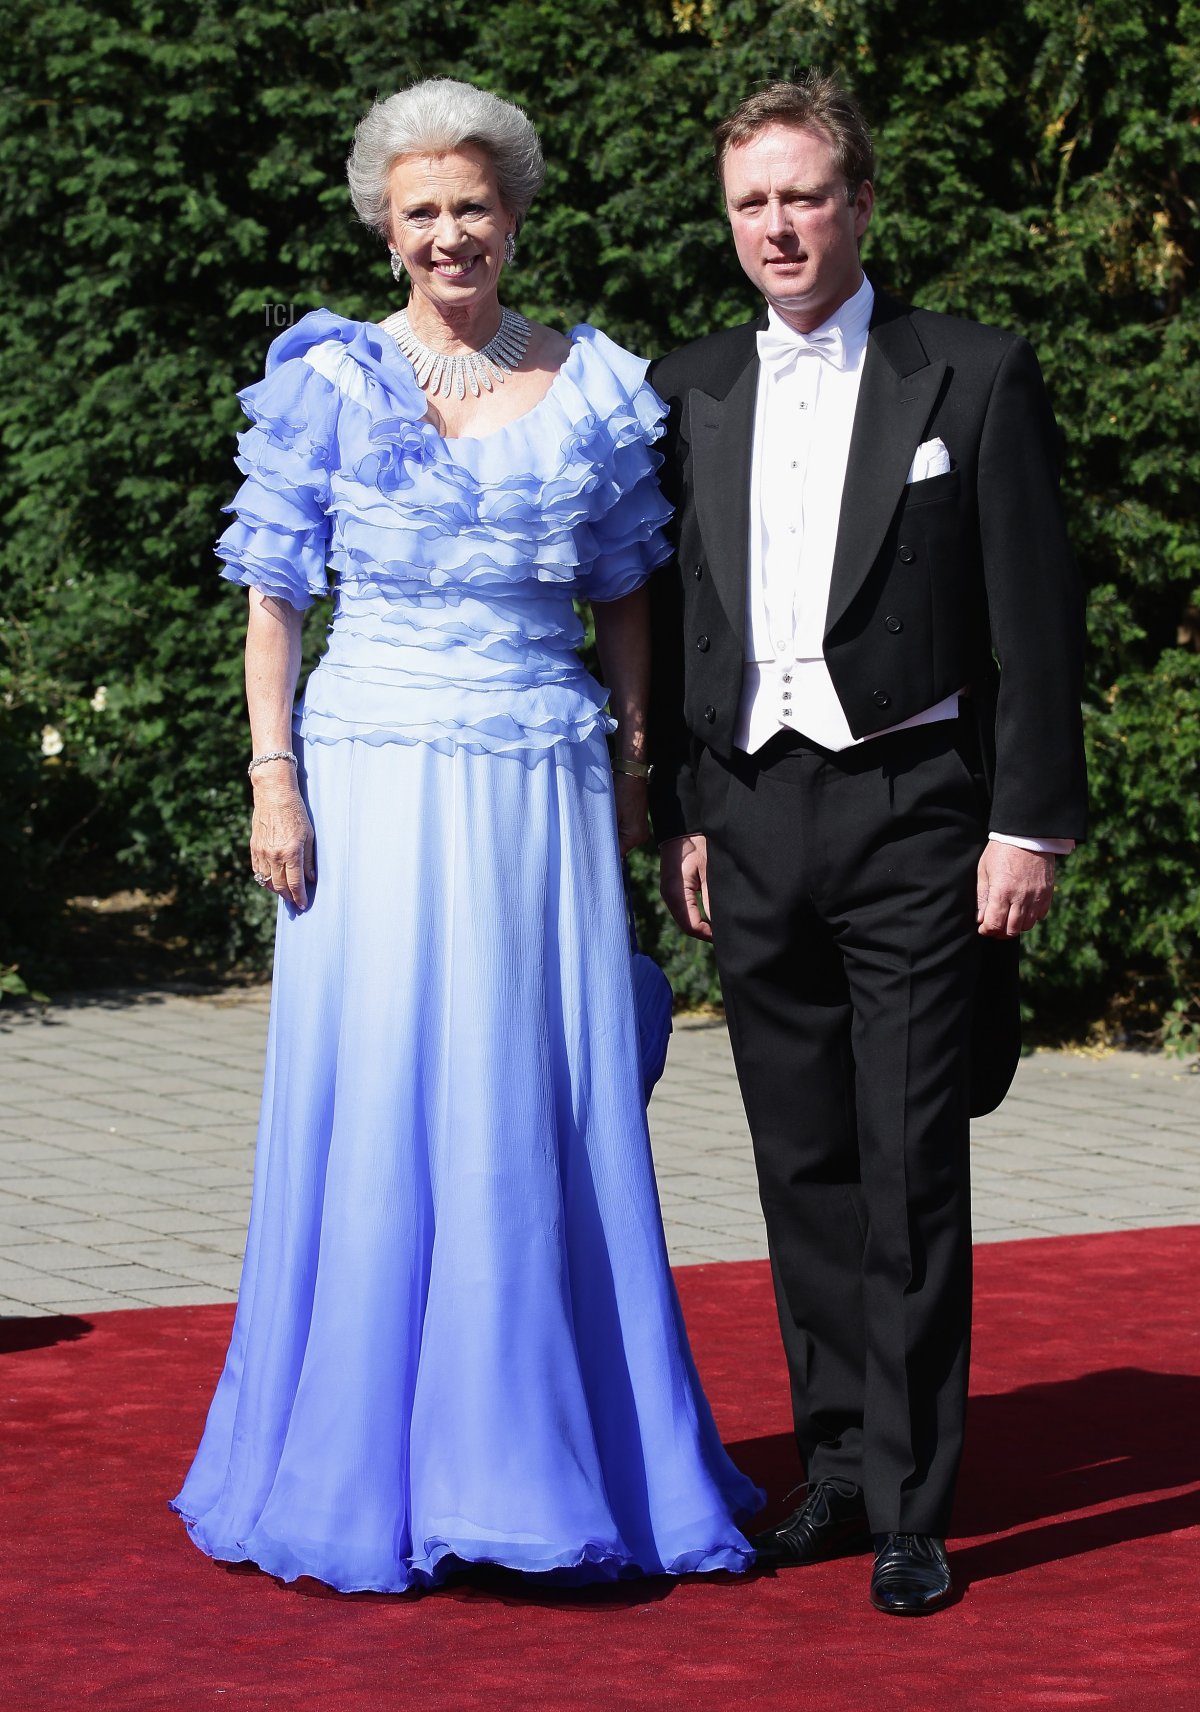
(457, 1340)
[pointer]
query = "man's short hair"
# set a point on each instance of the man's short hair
(816, 103)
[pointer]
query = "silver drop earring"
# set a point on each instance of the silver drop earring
(510, 247)
(397, 266)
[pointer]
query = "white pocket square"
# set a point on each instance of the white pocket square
(932, 459)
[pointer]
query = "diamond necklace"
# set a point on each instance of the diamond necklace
(436, 371)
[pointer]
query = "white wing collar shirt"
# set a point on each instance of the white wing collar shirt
(807, 395)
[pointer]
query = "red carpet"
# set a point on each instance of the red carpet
(1081, 1580)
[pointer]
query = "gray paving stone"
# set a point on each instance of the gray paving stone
(18, 1068)
(26, 1211)
(94, 1143)
(13, 1176)
(168, 1220)
(89, 1114)
(237, 1158)
(12, 1307)
(215, 1100)
(718, 1247)
(118, 1276)
(132, 1126)
(164, 1254)
(32, 1153)
(35, 1127)
(206, 1176)
(59, 1258)
(223, 1135)
(13, 1270)
(134, 1103)
(227, 1242)
(1161, 1196)
(185, 1295)
(43, 1290)
(96, 1232)
(17, 1236)
(108, 1176)
(1158, 1221)
(220, 1271)
(110, 1304)
(217, 1202)
(100, 1201)
(736, 1204)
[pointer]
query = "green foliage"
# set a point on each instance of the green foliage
(170, 174)
(1125, 928)
(13, 986)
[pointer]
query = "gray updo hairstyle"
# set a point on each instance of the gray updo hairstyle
(434, 118)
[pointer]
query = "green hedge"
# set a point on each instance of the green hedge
(168, 175)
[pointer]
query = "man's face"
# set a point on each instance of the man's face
(795, 232)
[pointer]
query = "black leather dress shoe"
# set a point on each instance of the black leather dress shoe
(911, 1575)
(831, 1522)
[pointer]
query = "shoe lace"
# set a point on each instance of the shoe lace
(912, 1545)
(810, 1489)
(844, 1488)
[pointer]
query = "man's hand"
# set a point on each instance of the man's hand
(1014, 889)
(683, 883)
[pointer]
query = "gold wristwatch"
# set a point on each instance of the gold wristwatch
(633, 769)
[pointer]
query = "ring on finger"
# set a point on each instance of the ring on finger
(261, 879)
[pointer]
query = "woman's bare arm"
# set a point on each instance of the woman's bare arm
(282, 843)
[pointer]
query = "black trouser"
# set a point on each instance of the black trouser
(843, 899)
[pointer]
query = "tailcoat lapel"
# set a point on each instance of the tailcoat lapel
(895, 402)
(721, 431)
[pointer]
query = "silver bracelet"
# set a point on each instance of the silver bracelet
(272, 755)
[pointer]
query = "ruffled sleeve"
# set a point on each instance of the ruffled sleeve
(279, 539)
(628, 511)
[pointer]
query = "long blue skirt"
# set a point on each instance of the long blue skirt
(457, 1339)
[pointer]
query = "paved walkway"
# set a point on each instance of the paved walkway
(127, 1130)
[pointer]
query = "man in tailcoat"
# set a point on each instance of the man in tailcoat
(868, 756)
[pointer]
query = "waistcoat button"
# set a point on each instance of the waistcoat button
(710, 714)
(702, 644)
(881, 698)
(906, 554)
(894, 624)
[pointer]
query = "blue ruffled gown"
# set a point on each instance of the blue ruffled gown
(457, 1338)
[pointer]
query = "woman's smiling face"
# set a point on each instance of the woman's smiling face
(449, 225)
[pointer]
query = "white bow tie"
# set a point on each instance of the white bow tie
(778, 349)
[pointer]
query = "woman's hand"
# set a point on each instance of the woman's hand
(282, 842)
(633, 821)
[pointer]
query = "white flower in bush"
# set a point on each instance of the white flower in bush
(99, 701)
(52, 742)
